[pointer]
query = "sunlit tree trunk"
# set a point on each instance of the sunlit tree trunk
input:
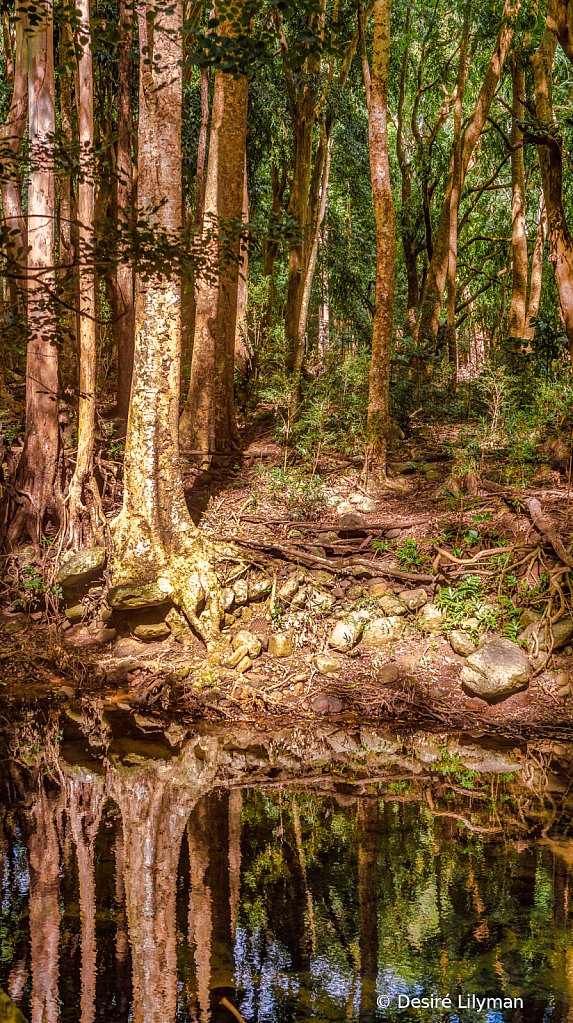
(208, 418)
(11, 136)
(243, 352)
(124, 326)
(311, 265)
(38, 478)
(86, 519)
(189, 287)
(200, 930)
(154, 538)
(379, 379)
(536, 269)
(456, 195)
(44, 861)
(517, 308)
(438, 268)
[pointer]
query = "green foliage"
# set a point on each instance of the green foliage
(303, 497)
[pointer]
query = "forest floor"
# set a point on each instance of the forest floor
(419, 530)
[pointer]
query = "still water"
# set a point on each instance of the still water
(130, 894)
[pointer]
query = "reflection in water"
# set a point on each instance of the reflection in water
(145, 894)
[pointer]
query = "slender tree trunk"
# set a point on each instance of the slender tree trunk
(438, 268)
(208, 419)
(550, 150)
(67, 213)
(86, 803)
(311, 265)
(190, 285)
(38, 478)
(324, 307)
(124, 325)
(536, 269)
(517, 308)
(243, 353)
(379, 380)
(86, 518)
(44, 860)
(454, 207)
(235, 807)
(11, 135)
(272, 244)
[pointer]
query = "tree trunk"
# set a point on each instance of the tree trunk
(311, 265)
(235, 807)
(190, 285)
(86, 520)
(38, 477)
(124, 325)
(67, 214)
(536, 269)
(44, 860)
(456, 194)
(154, 538)
(379, 379)
(243, 352)
(517, 308)
(550, 149)
(208, 419)
(11, 136)
(85, 803)
(438, 268)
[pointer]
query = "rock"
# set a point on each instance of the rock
(81, 637)
(117, 672)
(299, 599)
(345, 635)
(391, 606)
(179, 627)
(74, 612)
(11, 628)
(318, 552)
(324, 704)
(128, 647)
(362, 503)
(328, 538)
(568, 651)
(227, 598)
(281, 644)
(431, 618)
(355, 592)
(498, 669)
(245, 638)
(377, 587)
(241, 591)
(564, 691)
(461, 643)
(244, 664)
(290, 586)
(387, 673)
(414, 599)
(403, 468)
(259, 588)
(320, 599)
(382, 631)
(321, 577)
(105, 613)
(327, 665)
(76, 568)
(528, 617)
(152, 630)
(65, 693)
(392, 534)
(132, 597)
(562, 632)
(232, 660)
(562, 678)
(350, 520)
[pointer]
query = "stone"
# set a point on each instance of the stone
(414, 599)
(345, 635)
(84, 638)
(105, 613)
(179, 627)
(568, 651)
(132, 596)
(361, 572)
(259, 588)
(228, 620)
(11, 628)
(431, 618)
(362, 503)
(318, 552)
(500, 668)
(321, 577)
(328, 538)
(74, 612)
(324, 704)
(244, 664)
(65, 693)
(461, 643)
(128, 647)
(320, 599)
(236, 657)
(152, 630)
(392, 534)
(355, 592)
(76, 568)
(387, 673)
(528, 617)
(241, 591)
(281, 644)
(564, 691)
(299, 599)
(290, 586)
(562, 631)
(403, 468)
(350, 520)
(431, 476)
(345, 508)
(391, 606)
(327, 665)
(227, 598)
(381, 631)
(245, 638)
(377, 587)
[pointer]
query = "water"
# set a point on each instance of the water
(153, 889)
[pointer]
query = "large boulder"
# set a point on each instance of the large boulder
(135, 597)
(381, 631)
(499, 669)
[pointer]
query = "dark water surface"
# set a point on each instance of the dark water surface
(150, 890)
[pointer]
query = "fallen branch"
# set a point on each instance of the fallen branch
(548, 530)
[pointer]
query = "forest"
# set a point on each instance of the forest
(286, 327)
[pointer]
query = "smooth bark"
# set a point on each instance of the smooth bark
(379, 376)
(517, 307)
(124, 322)
(85, 807)
(11, 137)
(536, 269)
(454, 207)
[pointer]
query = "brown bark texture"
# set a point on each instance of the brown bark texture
(379, 377)
(44, 861)
(456, 194)
(208, 418)
(38, 478)
(85, 805)
(536, 269)
(438, 268)
(124, 323)
(518, 304)
(11, 136)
